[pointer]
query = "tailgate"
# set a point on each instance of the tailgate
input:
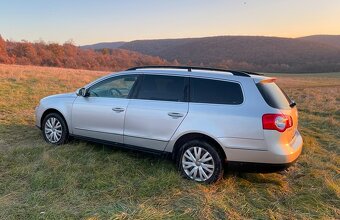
(289, 134)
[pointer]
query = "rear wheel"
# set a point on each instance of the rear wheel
(199, 161)
(54, 129)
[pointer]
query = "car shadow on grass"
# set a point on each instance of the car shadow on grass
(112, 148)
(255, 173)
(240, 170)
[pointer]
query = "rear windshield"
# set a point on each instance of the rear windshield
(274, 96)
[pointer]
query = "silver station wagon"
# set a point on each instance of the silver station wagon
(203, 117)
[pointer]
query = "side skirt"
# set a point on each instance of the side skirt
(120, 145)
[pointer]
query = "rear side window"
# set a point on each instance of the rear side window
(273, 95)
(215, 92)
(163, 88)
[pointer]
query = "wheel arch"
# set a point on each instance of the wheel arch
(52, 110)
(198, 136)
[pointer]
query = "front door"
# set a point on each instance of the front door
(100, 115)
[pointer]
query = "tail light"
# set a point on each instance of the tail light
(278, 122)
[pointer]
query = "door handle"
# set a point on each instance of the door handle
(118, 109)
(175, 114)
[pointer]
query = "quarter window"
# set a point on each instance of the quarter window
(115, 87)
(163, 88)
(215, 92)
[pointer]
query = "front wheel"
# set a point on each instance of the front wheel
(54, 129)
(200, 161)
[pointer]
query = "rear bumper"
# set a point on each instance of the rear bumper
(279, 155)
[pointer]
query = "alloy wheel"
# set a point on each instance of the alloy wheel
(198, 164)
(53, 130)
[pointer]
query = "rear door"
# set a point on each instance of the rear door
(156, 111)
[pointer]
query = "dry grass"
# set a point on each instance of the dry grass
(24, 86)
(89, 181)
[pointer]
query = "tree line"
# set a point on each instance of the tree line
(68, 55)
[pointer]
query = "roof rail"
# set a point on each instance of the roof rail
(189, 68)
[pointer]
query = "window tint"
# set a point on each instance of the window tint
(273, 95)
(164, 88)
(215, 91)
(115, 87)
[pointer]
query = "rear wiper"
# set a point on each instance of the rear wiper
(292, 104)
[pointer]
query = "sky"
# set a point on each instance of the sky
(88, 22)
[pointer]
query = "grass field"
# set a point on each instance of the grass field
(82, 180)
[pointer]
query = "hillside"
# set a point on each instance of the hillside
(264, 54)
(268, 54)
(330, 40)
(254, 53)
(156, 46)
(102, 45)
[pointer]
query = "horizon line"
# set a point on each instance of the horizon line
(170, 38)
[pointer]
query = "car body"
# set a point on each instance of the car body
(243, 117)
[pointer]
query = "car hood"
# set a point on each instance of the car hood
(59, 96)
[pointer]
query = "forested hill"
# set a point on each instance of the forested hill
(330, 40)
(264, 54)
(254, 53)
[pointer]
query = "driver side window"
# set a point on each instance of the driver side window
(115, 87)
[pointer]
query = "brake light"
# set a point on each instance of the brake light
(278, 122)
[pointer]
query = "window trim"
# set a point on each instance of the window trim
(217, 79)
(115, 78)
(135, 91)
(141, 79)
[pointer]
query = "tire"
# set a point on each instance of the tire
(207, 171)
(54, 129)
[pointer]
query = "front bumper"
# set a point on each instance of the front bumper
(38, 113)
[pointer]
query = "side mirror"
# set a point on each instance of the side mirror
(81, 92)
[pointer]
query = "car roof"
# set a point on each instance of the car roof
(203, 72)
(210, 73)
